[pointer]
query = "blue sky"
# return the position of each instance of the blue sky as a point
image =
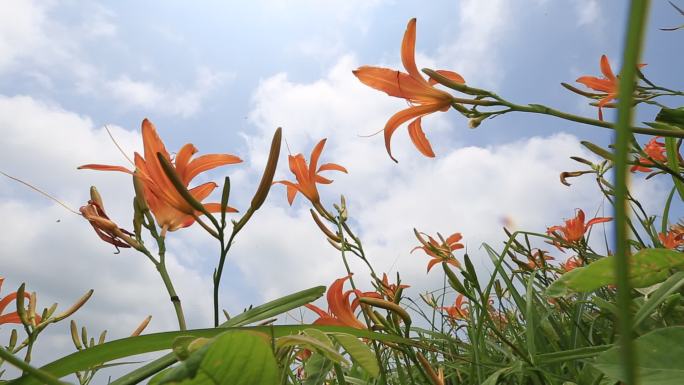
(223, 75)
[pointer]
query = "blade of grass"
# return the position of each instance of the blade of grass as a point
(638, 12)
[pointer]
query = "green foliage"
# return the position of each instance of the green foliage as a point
(647, 267)
(659, 358)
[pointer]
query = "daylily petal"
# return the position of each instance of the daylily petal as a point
(383, 79)
(207, 162)
(403, 116)
(419, 139)
(605, 68)
(408, 49)
(318, 310)
(216, 208)
(183, 158)
(432, 263)
(202, 191)
(332, 167)
(315, 154)
(455, 237)
(104, 167)
(597, 220)
(322, 180)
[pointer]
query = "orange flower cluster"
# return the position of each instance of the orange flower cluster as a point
(459, 310)
(170, 209)
(410, 85)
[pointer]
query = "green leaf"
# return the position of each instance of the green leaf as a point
(359, 352)
(233, 358)
(312, 343)
(659, 296)
(659, 358)
(672, 116)
(647, 267)
(316, 368)
(493, 379)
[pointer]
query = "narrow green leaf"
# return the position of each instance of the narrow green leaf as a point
(311, 343)
(659, 296)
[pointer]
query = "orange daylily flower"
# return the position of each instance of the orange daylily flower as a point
(575, 228)
(105, 228)
(389, 290)
(441, 252)
(340, 310)
(11, 318)
(307, 176)
(168, 206)
(570, 264)
(459, 310)
(418, 92)
(538, 259)
(672, 239)
(656, 151)
(609, 84)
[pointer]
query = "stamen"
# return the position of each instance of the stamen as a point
(41, 192)
(117, 145)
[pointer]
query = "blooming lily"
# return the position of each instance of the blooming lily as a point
(170, 209)
(609, 84)
(575, 228)
(307, 175)
(418, 92)
(570, 264)
(389, 290)
(13, 317)
(458, 311)
(340, 310)
(654, 150)
(671, 239)
(538, 259)
(440, 252)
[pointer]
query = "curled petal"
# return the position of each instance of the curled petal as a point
(605, 68)
(419, 139)
(332, 167)
(205, 163)
(408, 49)
(403, 116)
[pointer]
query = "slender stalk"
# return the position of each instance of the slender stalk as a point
(175, 300)
(635, 30)
(26, 368)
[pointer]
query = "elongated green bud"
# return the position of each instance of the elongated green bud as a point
(387, 305)
(225, 194)
(140, 193)
(180, 187)
(74, 335)
(269, 171)
(81, 301)
(96, 197)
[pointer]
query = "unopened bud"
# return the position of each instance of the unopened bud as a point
(13, 339)
(96, 197)
(74, 335)
(387, 305)
(581, 160)
(32, 308)
(475, 122)
(571, 174)
(269, 171)
(142, 326)
(103, 335)
(75, 306)
(335, 244)
(84, 336)
(323, 227)
(139, 193)
(434, 377)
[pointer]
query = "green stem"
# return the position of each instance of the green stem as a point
(637, 19)
(175, 300)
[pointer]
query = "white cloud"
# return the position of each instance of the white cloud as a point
(482, 26)
(179, 101)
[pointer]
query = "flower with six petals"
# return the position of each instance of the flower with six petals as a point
(341, 312)
(307, 175)
(170, 209)
(440, 251)
(575, 228)
(654, 150)
(423, 97)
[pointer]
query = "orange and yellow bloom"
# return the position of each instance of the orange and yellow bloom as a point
(654, 150)
(440, 251)
(341, 312)
(575, 228)
(170, 209)
(418, 92)
(608, 84)
(308, 175)
(459, 310)
(389, 290)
